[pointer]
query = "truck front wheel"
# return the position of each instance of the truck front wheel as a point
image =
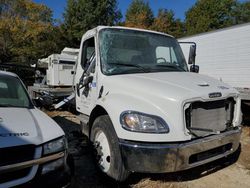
(106, 148)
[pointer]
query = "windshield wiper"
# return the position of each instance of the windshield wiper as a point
(171, 66)
(132, 65)
(10, 105)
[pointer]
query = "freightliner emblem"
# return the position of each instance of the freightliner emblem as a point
(214, 95)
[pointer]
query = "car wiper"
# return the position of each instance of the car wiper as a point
(6, 105)
(171, 66)
(132, 65)
(10, 105)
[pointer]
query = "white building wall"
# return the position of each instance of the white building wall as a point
(224, 54)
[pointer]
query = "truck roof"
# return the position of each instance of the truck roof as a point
(6, 73)
(98, 28)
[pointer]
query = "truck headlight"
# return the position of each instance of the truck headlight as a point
(55, 146)
(140, 122)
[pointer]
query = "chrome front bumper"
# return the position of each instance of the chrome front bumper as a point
(172, 157)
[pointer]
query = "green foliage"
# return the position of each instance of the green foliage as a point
(26, 31)
(166, 23)
(207, 15)
(26, 10)
(82, 15)
(139, 14)
(242, 15)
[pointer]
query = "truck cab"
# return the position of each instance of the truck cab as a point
(142, 108)
(33, 148)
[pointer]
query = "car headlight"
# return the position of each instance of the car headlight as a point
(140, 122)
(52, 166)
(55, 146)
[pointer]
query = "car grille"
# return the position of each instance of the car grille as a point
(205, 118)
(13, 155)
(17, 154)
(9, 176)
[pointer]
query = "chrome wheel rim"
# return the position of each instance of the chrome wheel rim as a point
(101, 145)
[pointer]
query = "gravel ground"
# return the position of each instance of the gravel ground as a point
(220, 173)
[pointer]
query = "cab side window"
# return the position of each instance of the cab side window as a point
(88, 51)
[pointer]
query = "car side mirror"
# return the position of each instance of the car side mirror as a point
(192, 54)
(194, 68)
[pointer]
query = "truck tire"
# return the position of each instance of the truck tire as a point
(106, 149)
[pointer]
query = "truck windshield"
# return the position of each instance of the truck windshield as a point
(126, 51)
(12, 93)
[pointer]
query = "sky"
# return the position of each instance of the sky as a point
(178, 6)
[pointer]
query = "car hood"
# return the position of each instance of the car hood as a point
(20, 126)
(177, 86)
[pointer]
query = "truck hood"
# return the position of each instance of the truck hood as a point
(177, 86)
(20, 126)
(162, 94)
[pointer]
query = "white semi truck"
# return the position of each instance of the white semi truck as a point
(144, 111)
(33, 148)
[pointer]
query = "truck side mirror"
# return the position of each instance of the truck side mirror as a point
(87, 80)
(192, 54)
(194, 68)
(83, 82)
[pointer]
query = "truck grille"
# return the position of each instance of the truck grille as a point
(205, 118)
(13, 155)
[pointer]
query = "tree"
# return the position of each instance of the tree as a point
(207, 15)
(242, 13)
(165, 22)
(82, 15)
(26, 31)
(139, 14)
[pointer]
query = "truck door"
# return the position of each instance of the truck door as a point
(86, 90)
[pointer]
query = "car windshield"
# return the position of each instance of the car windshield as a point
(13, 93)
(124, 51)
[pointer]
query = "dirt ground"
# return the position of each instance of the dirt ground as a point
(221, 173)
